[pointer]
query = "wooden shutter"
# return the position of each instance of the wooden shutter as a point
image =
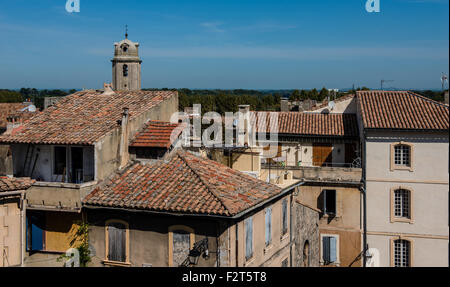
(322, 154)
(326, 249)
(333, 249)
(117, 242)
(249, 238)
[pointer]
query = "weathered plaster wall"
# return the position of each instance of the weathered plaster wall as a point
(149, 239)
(10, 232)
(305, 229)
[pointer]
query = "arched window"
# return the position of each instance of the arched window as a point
(125, 70)
(306, 254)
(402, 253)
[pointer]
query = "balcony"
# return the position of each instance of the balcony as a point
(344, 173)
(58, 196)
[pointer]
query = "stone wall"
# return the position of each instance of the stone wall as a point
(305, 224)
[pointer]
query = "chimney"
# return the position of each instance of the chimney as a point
(244, 125)
(446, 97)
(123, 149)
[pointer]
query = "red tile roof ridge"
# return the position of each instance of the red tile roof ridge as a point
(181, 155)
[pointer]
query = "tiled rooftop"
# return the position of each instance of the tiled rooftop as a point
(7, 109)
(84, 117)
(185, 184)
(14, 184)
(401, 110)
(158, 134)
(310, 124)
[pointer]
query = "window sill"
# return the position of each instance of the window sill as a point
(402, 220)
(268, 248)
(398, 167)
(249, 262)
(116, 264)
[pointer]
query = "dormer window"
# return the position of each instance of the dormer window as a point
(125, 70)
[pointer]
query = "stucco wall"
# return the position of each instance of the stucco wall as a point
(277, 251)
(428, 183)
(148, 236)
(10, 232)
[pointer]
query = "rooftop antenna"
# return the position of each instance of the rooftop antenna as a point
(385, 81)
(126, 31)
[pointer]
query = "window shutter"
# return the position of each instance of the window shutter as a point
(249, 238)
(326, 249)
(117, 243)
(333, 249)
(285, 221)
(268, 226)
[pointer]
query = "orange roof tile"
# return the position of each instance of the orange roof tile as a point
(309, 124)
(185, 184)
(158, 134)
(401, 110)
(84, 117)
(14, 184)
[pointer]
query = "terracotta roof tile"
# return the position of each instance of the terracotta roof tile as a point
(308, 124)
(401, 110)
(158, 134)
(14, 184)
(7, 109)
(185, 184)
(84, 117)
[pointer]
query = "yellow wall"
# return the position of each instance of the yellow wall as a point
(60, 231)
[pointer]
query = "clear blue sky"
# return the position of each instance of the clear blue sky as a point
(227, 44)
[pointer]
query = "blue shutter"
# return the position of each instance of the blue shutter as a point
(333, 249)
(249, 238)
(268, 226)
(326, 249)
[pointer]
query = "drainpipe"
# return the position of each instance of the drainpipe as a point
(124, 139)
(364, 193)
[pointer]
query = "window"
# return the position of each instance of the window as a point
(125, 70)
(284, 216)
(402, 253)
(327, 202)
(248, 238)
(329, 250)
(59, 166)
(117, 237)
(402, 203)
(181, 241)
(268, 226)
(306, 254)
(402, 155)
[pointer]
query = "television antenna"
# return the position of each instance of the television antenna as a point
(385, 81)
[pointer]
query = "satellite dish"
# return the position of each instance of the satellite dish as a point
(331, 105)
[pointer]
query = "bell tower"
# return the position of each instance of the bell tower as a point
(126, 66)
